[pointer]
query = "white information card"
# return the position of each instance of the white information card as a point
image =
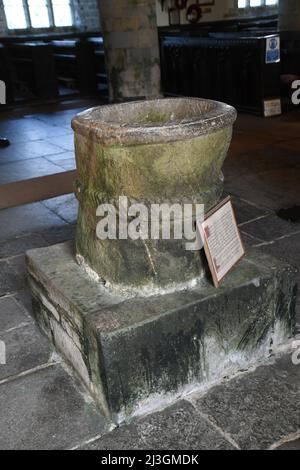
(222, 241)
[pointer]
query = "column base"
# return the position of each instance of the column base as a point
(139, 354)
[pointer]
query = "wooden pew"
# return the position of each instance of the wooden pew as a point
(99, 57)
(6, 74)
(34, 73)
(229, 68)
(290, 52)
(76, 65)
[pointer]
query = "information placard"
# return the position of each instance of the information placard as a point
(272, 107)
(222, 241)
(273, 50)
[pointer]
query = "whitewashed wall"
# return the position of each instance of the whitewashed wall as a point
(222, 10)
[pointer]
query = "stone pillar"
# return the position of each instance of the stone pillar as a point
(132, 51)
(289, 15)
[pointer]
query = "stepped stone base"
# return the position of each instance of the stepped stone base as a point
(137, 354)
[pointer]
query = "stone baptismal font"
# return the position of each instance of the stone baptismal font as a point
(140, 320)
(167, 151)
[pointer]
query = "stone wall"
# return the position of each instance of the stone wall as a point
(87, 17)
(88, 14)
(3, 28)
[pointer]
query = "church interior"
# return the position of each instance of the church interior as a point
(59, 58)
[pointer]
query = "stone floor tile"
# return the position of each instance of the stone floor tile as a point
(271, 157)
(24, 299)
(246, 211)
(17, 246)
(66, 207)
(257, 409)
(12, 314)
(21, 125)
(61, 156)
(38, 131)
(17, 263)
(25, 220)
(287, 249)
(60, 235)
(10, 281)
(67, 165)
(274, 189)
(176, 428)
(28, 150)
(27, 169)
(59, 119)
(270, 228)
(65, 141)
(26, 348)
(47, 410)
(249, 241)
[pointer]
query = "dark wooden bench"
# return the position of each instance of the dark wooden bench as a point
(229, 68)
(33, 71)
(75, 65)
(99, 56)
(6, 74)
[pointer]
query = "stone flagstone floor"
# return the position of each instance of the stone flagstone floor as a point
(43, 406)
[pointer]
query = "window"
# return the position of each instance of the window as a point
(256, 3)
(62, 13)
(15, 21)
(38, 13)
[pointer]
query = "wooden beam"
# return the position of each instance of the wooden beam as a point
(36, 189)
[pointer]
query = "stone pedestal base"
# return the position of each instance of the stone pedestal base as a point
(138, 354)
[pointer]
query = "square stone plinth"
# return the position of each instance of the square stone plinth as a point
(139, 354)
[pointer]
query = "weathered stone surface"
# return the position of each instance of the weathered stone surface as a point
(176, 428)
(46, 411)
(11, 314)
(287, 248)
(270, 228)
(66, 207)
(294, 445)
(246, 211)
(26, 348)
(60, 235)
(250, 241)
(298, 316)
(167, 151)
(24, 299)
(18, 264)
(131, 353)
(10, 281)
(128, 27)
(17, 246)
(28, 219)
(257, 409)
